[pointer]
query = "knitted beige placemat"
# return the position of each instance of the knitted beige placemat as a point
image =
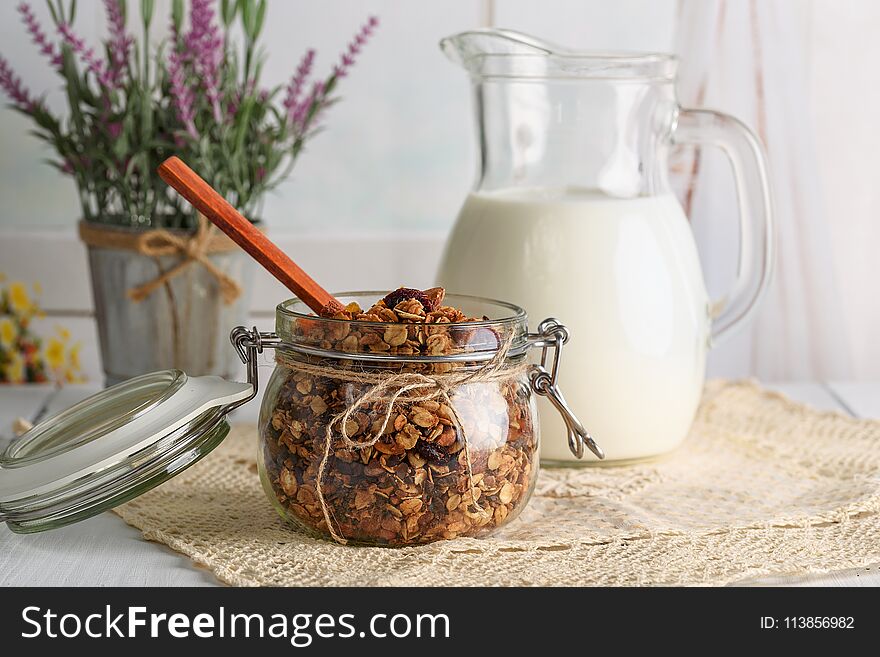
(762, 485)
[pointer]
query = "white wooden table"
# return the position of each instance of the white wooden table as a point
(104, 551)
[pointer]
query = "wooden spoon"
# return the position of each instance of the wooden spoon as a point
(207, 201)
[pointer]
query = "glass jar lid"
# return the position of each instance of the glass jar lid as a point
(112, 447)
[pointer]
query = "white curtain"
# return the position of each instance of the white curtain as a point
(752, 59)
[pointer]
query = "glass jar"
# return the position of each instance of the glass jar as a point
(401, 434)
(373, 433)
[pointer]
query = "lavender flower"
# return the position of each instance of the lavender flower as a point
(354, 48)
(11, 84)
(307, 112)
(183, 95)
(38, 36)
(201, 48)
(247, 154)
(204, 44)
(297, 83)
(316, 98)
(232, 105)
(87, 55)
(120, 43)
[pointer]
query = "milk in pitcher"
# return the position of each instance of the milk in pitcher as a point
(623, 275)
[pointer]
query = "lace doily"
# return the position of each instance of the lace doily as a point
(762, 485)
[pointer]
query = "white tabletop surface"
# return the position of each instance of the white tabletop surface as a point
(104, 551)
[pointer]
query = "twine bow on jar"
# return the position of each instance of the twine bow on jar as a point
(161, 242)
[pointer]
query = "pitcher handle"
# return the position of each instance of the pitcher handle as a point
(757, 243)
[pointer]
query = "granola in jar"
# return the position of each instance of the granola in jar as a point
(425, 432)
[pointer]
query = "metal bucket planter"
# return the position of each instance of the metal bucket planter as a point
(182, 323)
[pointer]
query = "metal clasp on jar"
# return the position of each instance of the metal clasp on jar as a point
(553, 334)
(247, 345)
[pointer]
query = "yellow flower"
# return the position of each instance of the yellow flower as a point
(63, 333)
(73, 377)
(73, 357)
(18, 297)
(8, 332)
(55, 353)
(14, 369)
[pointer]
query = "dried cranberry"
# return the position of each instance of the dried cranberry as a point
(431, 452)
(404, 293)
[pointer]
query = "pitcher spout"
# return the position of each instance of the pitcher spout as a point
(466, 48)
(493, 52)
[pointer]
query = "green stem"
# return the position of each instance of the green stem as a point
(146, 56)
(248, 57)
(82, 200)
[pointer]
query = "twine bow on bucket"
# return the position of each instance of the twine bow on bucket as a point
(160, 242)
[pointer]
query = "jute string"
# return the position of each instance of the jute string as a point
(160, 242)
(388, 390)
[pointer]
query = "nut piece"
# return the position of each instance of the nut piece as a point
(395, 335)
(438, 344)
(288, 482)
(410, 506)
(318, 405)
(423, 418)
(446, 437)
(435, 295)
(408, 437)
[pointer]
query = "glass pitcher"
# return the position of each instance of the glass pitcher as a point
(572, 212)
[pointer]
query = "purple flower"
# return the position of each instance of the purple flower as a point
(38, 36)
(87, 55)
(306, 113)
(183, 95)
(297, 83)
(204, 44)
(120, 43)
(11, 84)
(347, 59)
(232, 105)
(301, 118)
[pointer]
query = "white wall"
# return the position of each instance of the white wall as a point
(398, 152)
(846, 107)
